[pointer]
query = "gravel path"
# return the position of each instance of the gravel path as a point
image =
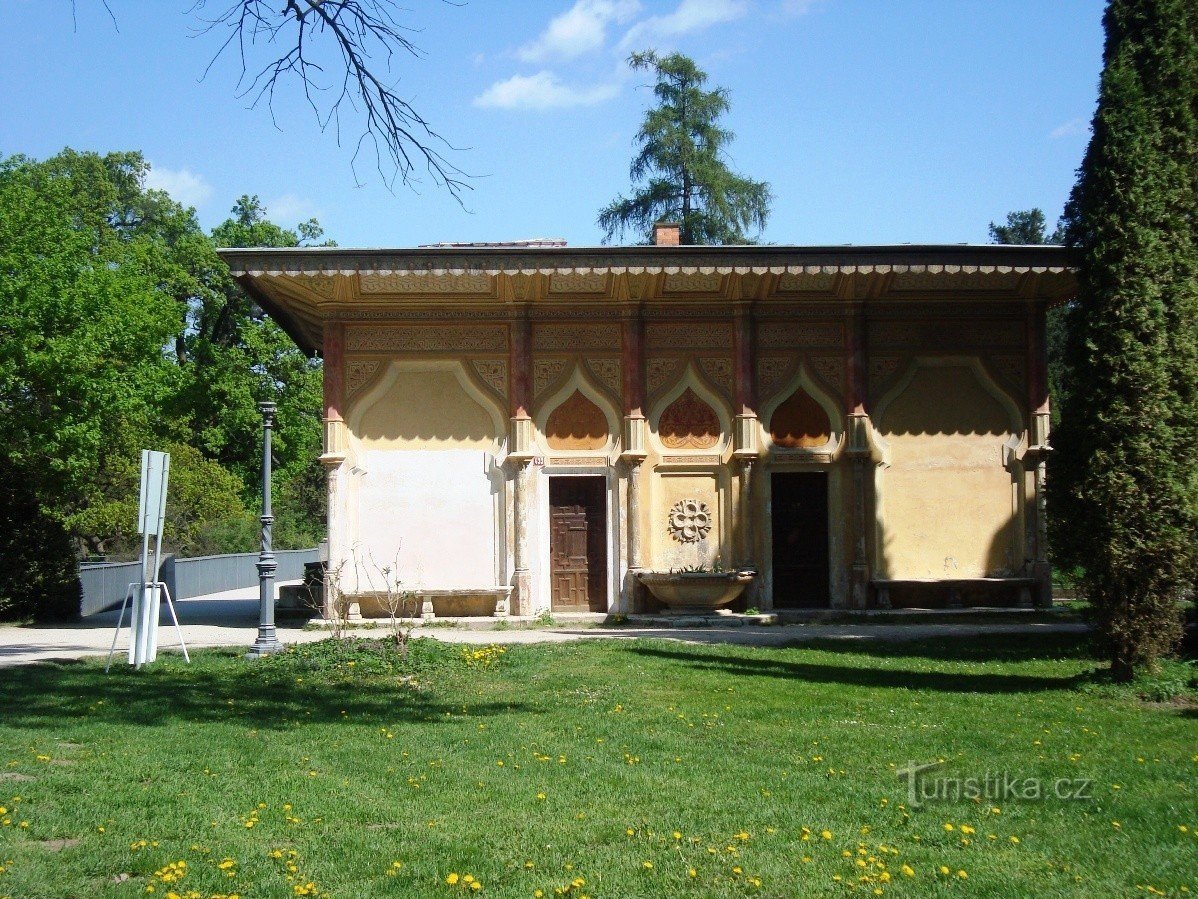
(230, 619)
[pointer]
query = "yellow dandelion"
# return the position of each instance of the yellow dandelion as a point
(452, 879)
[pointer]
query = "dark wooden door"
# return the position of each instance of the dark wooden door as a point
(577, 544)
(800, 528)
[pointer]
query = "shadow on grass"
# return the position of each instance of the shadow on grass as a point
(1026, 647)
(215, 691)
(755, 664)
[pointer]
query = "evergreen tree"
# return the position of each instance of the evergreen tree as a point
(1124, 475)
(1027, 227)
(680, 165)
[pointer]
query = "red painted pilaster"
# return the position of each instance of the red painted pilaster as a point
(333, 353)
(1037, 358)
(855, 363)
(745, 400)
(520, 367)
(634, 366)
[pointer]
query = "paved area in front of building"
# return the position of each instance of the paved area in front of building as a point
(231, 619)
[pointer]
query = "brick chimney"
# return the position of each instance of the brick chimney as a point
(667, 234)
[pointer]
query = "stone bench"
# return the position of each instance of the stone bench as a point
(954, 588)
(461, 597)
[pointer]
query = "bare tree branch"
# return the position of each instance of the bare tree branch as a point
(357, 42)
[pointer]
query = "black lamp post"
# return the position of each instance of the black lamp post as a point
(268, 640)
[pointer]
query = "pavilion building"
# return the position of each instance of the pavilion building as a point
(529, 426)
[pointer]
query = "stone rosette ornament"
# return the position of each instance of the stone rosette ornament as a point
(690, 520)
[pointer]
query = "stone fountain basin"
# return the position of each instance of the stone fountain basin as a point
(696, 592)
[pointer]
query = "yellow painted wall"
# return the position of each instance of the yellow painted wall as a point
(946, 502)
(426, 410)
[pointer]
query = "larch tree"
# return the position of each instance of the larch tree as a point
(680, 173)
(1124, 483)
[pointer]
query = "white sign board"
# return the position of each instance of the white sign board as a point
(155, 467)
(151, 514)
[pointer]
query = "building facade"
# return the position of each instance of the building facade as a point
(525, 428)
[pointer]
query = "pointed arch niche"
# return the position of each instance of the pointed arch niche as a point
(949, 503)
(691, 418)
(578, 417)
(801, 418)
(424, 442)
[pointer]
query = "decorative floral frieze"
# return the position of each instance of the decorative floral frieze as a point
(789, 335)
(360, 373)
(607, 372)
(659, 372)
(431, 339)
(719, 371)
(426, 284)
(574, 337)
(576, 282)
(493, 373)
(688, 335)
(545, 373)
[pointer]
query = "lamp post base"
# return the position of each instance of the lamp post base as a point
(267, 644)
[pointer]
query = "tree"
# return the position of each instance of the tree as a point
(84, 327)
(340, 52)
(680, 166)
(121, 329)
(1027, 227)
(1124, 485)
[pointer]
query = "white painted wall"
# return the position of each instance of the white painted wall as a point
(438, 509)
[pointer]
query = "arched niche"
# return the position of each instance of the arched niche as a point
(577, 424)
(690, 417)
(425, 404)
(801, 417)
(424, 439)
(948, 499)
(578, 417)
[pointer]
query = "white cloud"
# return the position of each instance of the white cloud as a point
(1066, 129)
(184, 185)
(541, 91)
(581, 29)
(691, 15)
(289, 209)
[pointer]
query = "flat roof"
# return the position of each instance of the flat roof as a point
(561, 259)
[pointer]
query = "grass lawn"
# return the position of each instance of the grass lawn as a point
(601, 768)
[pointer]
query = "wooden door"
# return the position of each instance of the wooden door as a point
(799, 510)
(577, 544)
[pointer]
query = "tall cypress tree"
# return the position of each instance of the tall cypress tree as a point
(1125, 474)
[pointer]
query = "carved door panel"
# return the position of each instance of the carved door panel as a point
(799, 509)
(577, 557)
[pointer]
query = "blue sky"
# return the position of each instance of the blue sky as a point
(873, 121)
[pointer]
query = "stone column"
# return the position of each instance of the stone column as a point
(745, 449)
(748, 534)
(1039, 412)
(522, 576)
(860, 461)
(633, 366)
(520, 453)
(333, 457)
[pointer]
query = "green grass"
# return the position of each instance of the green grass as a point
(547, 763)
